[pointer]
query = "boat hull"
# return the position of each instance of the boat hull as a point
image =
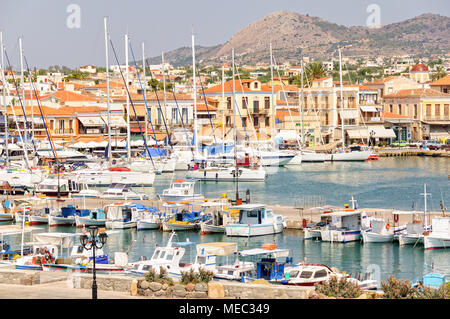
(410, 240)
(370, 237)
(60, 221)
(311, 233)
(340, 236)
(83, 221)
(350, 156)
(227, 175)
(207, 229)
(120, 224)
(430, 242)
(243, 230)
(142, 224)
(176, 226)
(36, 220)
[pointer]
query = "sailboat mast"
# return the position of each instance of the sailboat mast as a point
(128, 100)
(302, 107)
(425, 194)
(273, 101)
(342, 100)
(223, 108)
(23, 90)
(145, 88)
(166, 110)
(195, 93)
(107, 92)
(235, 133)
(5, 116)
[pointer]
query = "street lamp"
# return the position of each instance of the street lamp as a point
(93, 244)
(372, 134)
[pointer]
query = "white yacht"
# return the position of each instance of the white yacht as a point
(122, 191)
(255, 220)
(439, 237)
(228, 174)
(114, 174)
(180, 190)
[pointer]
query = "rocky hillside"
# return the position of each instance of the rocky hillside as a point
(293, 34)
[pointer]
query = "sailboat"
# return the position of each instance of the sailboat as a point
(345, 155)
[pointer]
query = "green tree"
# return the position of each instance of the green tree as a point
(439, 73)
(314, 70)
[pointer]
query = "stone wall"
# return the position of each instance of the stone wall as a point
(19, 277)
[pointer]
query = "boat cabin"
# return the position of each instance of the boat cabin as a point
(254, 214)
(271, 263)
(343, 220)
(122, 212)
(70, 210)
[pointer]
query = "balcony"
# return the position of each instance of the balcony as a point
(62, 131)
(437, 118)
(259, 111)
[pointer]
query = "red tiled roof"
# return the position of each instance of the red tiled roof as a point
(68, 96)
(228, 87)
(423, 92)
(420, 68)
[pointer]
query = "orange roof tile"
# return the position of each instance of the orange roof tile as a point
(423, 92)
(442, 81)
(68, 96)
(420, 68)
(228, 87)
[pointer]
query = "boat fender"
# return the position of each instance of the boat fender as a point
(396, 218)
(388, 225)
(304, 224)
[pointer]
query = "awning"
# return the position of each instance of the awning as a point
(91, 121)
(217, 248)
(115, 120)
(359, 133)
(381, 132)
(349, 114)
(366, 108)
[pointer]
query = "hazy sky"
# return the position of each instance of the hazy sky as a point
(164, 25)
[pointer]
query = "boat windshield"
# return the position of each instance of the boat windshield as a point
(306, 274)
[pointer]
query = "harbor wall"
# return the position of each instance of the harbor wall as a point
(214, 290)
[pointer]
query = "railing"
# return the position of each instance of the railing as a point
(437, 118)
(63, 131)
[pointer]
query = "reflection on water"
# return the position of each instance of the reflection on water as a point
(390, 182)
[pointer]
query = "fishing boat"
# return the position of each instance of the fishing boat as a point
(381, 231)
(66, 217)
(149, 218)
(186, 219)
(255, 220)
(122, 191)
(439, 237)
(342, 226)
(121, 216)
(39, 216)
(219, 218)
(54, 186)
(95, 218)
(180, 190)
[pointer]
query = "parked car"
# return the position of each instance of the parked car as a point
(401, 144)
(446, 146)
(434, 145)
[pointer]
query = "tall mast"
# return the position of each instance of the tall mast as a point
(107, 92)
(145, 88)
(425, 194)
(273, 101)
(195, 93)
(223, 108)
(5, 116)
(23, 90)
(128, 101)
(235, 133)
(166, 110)
(302, 106)
(342, 100)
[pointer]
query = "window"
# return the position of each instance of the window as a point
(255, 121)
(326, 101)
(52, 124)
(267, 102)
(428, 110)
(230, 272)
(415, 110)
(252, 213)
(391, 108)
(201, 260)
(320, 274)
(306, 274)
(146, 267)
(244, 102)
(184, 115)
(446, 109)
(305, 102)
(256, 85)
(437, 109)
(229, 103)
(293, 273)
(169, 257)
(267, 121)
(316, 102)
(174, 115)
(256, 106)
(399, 109)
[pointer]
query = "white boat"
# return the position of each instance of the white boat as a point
(39, 217)
(380, 232)
(49, 186)
(312, 157)
(95, 218)
(66, 217)
(343, 226)
(169, 258)
(104, 178)
(180, 190)
(439, 237)
(228, 174)
(149, 219)
(348, 156)
(305, 274)
(219, 218)
(87, 193)
(254, 220)
(121, 216)
(122, 191)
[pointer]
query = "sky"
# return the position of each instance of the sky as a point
(71, 32)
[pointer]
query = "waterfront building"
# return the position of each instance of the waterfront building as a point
(441, 85)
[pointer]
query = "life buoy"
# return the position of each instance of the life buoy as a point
(388, 225)
(396, 218)
(304, 224)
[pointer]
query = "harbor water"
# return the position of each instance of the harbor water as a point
(387, 183)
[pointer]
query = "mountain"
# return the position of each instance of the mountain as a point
(293, 34)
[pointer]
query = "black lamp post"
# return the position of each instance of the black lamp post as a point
(372, 134)
(93, 244)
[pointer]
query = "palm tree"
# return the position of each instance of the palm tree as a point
(439, 73)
